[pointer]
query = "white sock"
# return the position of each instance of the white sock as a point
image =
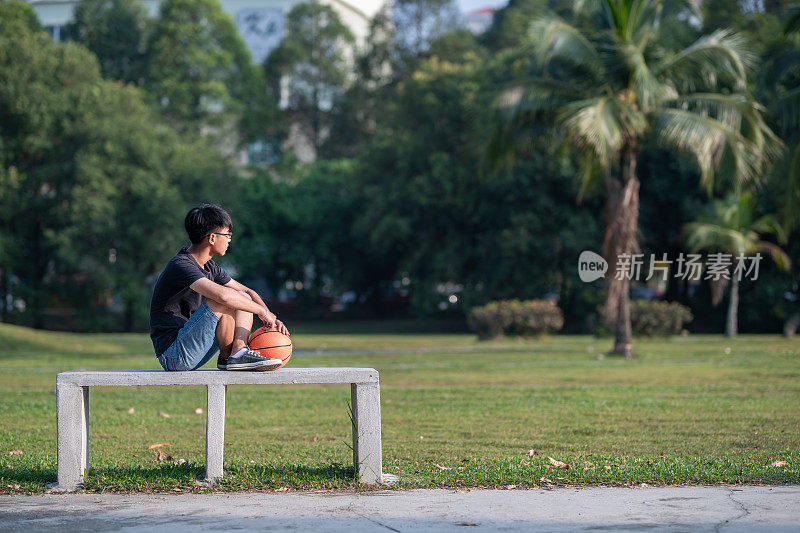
(239, 353)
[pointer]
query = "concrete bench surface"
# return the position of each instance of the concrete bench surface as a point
(72, 399)
(284, 376)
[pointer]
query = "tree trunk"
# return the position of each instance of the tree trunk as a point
(130, 314)
(731, 327)
(622, 329)
(622, 220)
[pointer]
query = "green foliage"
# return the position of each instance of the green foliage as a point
(198, 66)
(312, 60)
(94, 186)
(116, 31)
(734, 228)
(658, 318)
(18, 17)
(293, 224)
(419, 23)
(515, 317)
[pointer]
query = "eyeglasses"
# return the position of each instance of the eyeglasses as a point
(228, 235)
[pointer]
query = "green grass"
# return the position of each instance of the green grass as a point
(455, 412)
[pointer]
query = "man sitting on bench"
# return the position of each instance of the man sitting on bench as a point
(197, 308)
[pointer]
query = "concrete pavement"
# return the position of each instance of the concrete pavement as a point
(676, 509)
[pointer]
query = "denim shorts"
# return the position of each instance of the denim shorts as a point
(196, 342)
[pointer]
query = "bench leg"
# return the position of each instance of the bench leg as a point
(215, 431)
(365, 399)
(72, 411)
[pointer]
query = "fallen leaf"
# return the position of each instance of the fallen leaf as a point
(154, 446)
(198, 411)
(282, 489)
(159, 455)
(180, 461)
(15, 452)
(176, 489)
(165, 415)
(777, 463)
(531, 453)
(511, 487)
(13, 487)
(544, 480)
(131, 411)
(557, 464)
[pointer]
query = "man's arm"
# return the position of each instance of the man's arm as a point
(233, 284)
(230, 297)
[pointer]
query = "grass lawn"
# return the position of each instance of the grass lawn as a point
(455, 412)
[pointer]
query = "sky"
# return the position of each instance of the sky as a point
(468, 6)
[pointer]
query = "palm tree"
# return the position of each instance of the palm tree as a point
(610, 88)
(733, 229)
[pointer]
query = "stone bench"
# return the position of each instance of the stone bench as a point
(72, 399)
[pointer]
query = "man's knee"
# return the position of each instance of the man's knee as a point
(219, 309)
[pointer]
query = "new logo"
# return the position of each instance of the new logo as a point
(591, 266)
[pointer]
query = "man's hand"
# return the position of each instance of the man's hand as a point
(281, 327)
(268, 318)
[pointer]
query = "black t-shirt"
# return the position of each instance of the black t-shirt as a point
(173, 301)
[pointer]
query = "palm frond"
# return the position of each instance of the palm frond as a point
(649, 90)
(714, 237)
(776, 252)
(708, 139)
(740, 113)
(587, 175)
(601, 125)
(770, 224)
(553, 38)
(723, 56)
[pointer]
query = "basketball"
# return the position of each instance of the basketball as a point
(272, 344)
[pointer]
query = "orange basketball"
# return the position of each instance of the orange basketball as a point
(272, 344)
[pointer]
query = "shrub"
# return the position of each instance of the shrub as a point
(658, 318)
(515, 317)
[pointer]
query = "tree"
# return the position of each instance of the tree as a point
(366, 100)
(610, 89)
(734, 229)
(420, 22)
(313, 61)
(94, 185)
(116, 32)
(17, 16)
(199, 70)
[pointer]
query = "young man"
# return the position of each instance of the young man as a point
(197, 308)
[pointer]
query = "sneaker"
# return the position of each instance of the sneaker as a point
(249, 360)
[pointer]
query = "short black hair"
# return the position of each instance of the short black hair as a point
(202, 220)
